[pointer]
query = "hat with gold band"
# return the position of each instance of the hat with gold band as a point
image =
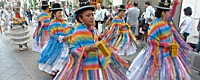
(84, 5)
(164, 4)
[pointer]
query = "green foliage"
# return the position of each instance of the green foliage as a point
(2, 3)
(34, 4)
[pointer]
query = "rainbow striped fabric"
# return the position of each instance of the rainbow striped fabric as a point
(91, 65)
(155, 60)
(59, 27)
(41, 31)
(84, 37)
(121, 36)
(54, 48)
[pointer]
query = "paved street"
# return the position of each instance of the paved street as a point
(22, 65)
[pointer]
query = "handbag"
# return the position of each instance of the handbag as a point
(104, 48)
(174, 48)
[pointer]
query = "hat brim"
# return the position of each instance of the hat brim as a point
(163, 8)
(120, 9)
(45, 5)
(53, 9)
(84, 8)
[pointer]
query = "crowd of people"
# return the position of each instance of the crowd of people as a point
(88, 45)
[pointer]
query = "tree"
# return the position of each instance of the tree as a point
(2, 3)
(34, 4)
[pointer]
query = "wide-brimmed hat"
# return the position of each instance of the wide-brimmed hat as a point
(122, 8)
(84, 5)
(45, 3)
(56, 6)
(164, 4)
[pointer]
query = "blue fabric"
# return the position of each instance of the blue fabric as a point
(82, 40)
(29, 19)
(47, 20)
(40, 9)
(28, 14)
(74, 18)
(54, 48)
(133, 29)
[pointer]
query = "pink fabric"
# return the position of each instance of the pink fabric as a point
(46, 25)
(141, 31)
(173, 11)
(128, 6)
(45, 37)
(164, 44)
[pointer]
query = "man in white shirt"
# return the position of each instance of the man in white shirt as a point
(150, 11)
(66, 11)
(104, 14)
(98, 15)
(132, 17)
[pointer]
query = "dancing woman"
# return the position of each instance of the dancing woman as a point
(120, 35)
(85, 61)
(55, 52)
(18, 32)
(162, 58)
(41, 34)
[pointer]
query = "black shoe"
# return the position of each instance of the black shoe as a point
(26, 45)
(11, 27)
(26, 23)
(22, 26)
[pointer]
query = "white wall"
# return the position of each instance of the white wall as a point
(195, 5)
(117, 2)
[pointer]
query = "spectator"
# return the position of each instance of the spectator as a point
(187, 23)
(66, 11)
(29, 15)
(116, 10)
(23, 11)
(1, 11)
(197, 49)
(141, 24)
(129, 3)
(150, 11)
(70, 18)
(98, 15)
(105, 14)
(132, 17)
(74, 16)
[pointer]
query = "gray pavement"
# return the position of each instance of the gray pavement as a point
(22, 65)
(10, 68)
(26, 60)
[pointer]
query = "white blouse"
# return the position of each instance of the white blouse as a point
(186, 25)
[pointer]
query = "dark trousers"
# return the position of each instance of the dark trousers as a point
(29, 19)
(96, 24)
(197, 49)
(185, 36)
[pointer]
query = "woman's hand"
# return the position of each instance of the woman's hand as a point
(92, 47)
(65, 38)
(179, 28)
(105, 32)
(166, 45)
(179, 1)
